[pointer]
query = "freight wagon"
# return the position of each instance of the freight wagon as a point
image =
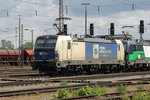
(12, 56)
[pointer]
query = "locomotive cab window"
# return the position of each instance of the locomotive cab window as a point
(132, 49)
(46, 43)
(40, 43)
(139, 48)
(50, 43)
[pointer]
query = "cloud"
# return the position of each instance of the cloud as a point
(128, 21)
(133, 18)
(47, 12)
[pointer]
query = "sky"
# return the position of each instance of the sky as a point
(40, 15)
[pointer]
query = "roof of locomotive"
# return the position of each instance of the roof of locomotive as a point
(91, 39)
(135, 42)
(47, 36)
(78, 39)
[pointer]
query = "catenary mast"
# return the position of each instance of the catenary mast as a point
(61, 26)
(61, 16)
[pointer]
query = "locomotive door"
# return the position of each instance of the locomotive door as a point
(118, 51)
(69, 50)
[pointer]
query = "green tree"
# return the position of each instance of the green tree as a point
(9, 45)
(3, 44)
(28, 46)
(6, 44)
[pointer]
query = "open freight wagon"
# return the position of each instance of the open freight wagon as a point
(11, 57)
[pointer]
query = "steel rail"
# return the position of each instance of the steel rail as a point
(54, 89)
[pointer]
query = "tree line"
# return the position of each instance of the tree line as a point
(9, 45)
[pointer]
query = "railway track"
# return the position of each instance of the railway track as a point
(87, 78)
(16, 72)
(53, 89)
(15, 82)
(84, 80)
(36, 79)
(34, 91)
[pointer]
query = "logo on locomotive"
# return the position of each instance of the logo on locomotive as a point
(43, 53)
(95, 51)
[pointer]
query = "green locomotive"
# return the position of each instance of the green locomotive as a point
(137, 54)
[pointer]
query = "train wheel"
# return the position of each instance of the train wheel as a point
(11, 63)
(63, 71)
(88, 71)
(40, 72)
(96, 70)
(78, 71)
(101, 69)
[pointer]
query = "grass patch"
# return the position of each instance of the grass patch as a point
(100, 90)
(96, 90)
(61, 94)
(121, 88)
(140, 87)
(125, 97)
(141, 96)
(86, 91)
(46, 83)
(37, 93)
(63, 83)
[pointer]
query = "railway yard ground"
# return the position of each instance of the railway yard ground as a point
(24, 84)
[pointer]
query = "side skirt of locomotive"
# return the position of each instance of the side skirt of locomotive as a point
(78, 67)
(90, 67)
(138, 65)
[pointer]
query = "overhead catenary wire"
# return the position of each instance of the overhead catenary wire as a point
(68, 8)
(36, 3)
(138, 4)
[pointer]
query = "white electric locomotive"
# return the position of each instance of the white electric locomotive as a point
(64, 54)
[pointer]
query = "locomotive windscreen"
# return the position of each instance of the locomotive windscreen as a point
(50, 43)
(46, 43)
(45, 48)
(40, 43)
